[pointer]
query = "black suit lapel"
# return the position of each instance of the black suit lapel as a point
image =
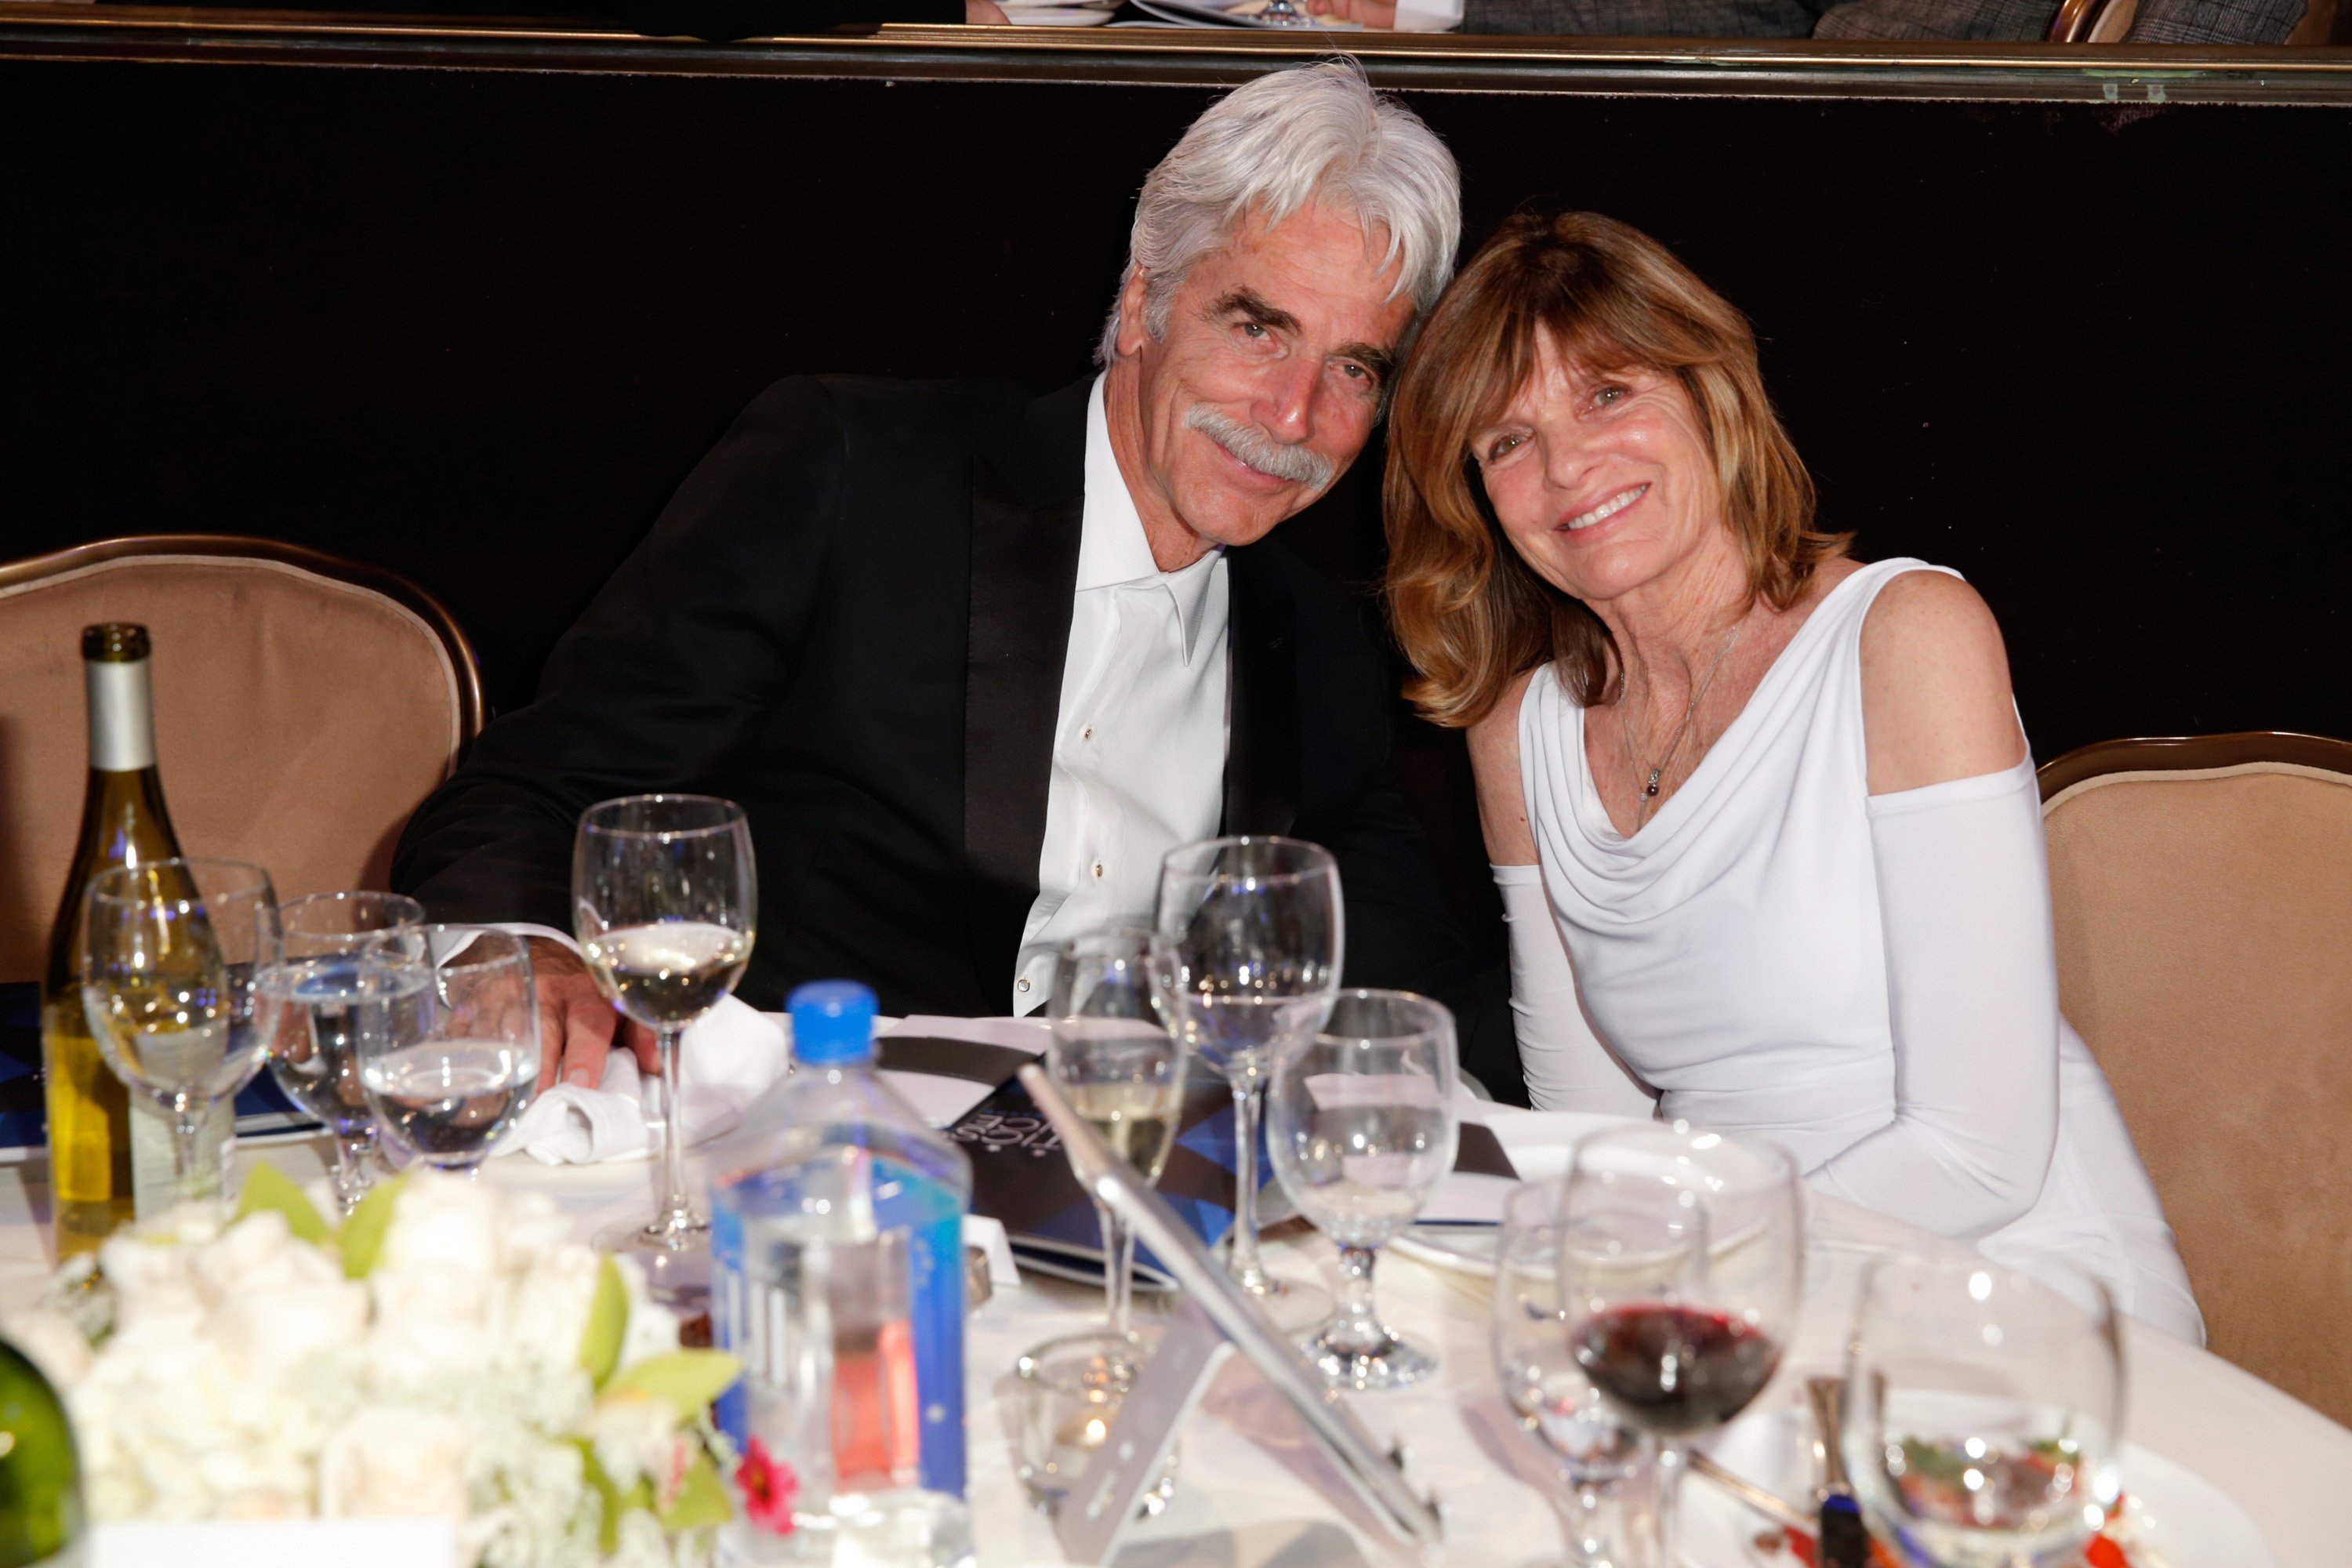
(1262, 754)
(1027, 504)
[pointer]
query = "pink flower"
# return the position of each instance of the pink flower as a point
(770, 1487)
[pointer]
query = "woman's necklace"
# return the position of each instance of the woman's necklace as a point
(1657, 770)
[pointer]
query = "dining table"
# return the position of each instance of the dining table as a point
(1255, 1490)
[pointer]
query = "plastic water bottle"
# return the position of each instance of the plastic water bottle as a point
(837, 1276)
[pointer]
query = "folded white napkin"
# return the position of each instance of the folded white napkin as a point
(727, 1059)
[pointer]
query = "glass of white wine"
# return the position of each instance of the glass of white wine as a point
(449, 1039)
(168, 954)
(1121, 1071)
(665, 899)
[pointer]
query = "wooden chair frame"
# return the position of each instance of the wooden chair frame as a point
(2180, 754)
(473, 707)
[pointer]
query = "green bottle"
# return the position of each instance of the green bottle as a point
(41, 1523)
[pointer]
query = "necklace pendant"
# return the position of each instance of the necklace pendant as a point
(1651, 789)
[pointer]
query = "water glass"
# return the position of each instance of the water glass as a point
(310, 1005)
(664, 900)
(1984, 1412)
(1599, 1460)
(1362, 1122)
(1069, 1393)
(1254, 935)
(169, 955)
(1122, 1071)
(448, 1040)
(1682, 1263)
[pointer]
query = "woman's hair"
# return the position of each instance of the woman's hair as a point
(1268, 148)
(1472, 614)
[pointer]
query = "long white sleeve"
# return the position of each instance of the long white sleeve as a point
(1567, 1067)
(1972, 993)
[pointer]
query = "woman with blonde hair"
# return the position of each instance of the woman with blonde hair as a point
(1763, 816)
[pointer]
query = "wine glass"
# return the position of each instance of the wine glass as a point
(169, 955)
(1599, 1458)
(1362, 1122)
(1682, 1263)
(310, 1004)
(665, 897)
(1122, 1071)
(1984, 1410)
(1253, 940)
(449, 1039)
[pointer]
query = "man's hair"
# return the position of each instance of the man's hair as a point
(1316, 134)
(1468, 612)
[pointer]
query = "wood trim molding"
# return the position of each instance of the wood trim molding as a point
(2172, 754)
(473, 707)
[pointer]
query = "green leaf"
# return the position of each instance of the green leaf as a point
(608, 1320)
(362, 1237)
(687, 1380)
(702, 1499)
(610, 1498)
(268, 1188)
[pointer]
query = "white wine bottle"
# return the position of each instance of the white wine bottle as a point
(104, 1155)
(42, 1523)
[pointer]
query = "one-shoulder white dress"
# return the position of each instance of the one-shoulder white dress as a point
(1869, 980)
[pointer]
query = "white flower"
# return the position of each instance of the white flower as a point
(276, 1299)
(51, 1343)
(387, 1461)
(547, 1304)
(633, 1435)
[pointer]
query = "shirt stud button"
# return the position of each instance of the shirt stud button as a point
(1021, 984)
(1087, 734)
(1097, 871)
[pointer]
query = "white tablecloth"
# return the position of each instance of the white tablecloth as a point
(1244, 1498)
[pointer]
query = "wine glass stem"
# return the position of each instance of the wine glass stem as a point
(188, 1176)
(1666, 1517)
(1353, 1322)
(1119, 1262)
(351, 1182)
(1243, 1265)
(677, 1214)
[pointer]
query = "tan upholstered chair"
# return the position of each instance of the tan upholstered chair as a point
(303, 706)
(2203, 890)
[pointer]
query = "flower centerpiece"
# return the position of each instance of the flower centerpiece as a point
(449, 1351)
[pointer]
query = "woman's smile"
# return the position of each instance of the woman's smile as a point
(1611, 506)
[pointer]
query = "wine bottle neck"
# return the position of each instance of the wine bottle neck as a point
(121, 717)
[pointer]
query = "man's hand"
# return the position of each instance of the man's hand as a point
(576, 1025)
(1370, 13)
(984, 14)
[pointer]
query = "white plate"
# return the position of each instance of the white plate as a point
(2187, 1519)
(1057, 15)
(1208, 14)
(1465, 1248)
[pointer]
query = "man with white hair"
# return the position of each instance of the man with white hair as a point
(972, 660)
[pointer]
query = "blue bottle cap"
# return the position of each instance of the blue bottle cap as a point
(833, 1022)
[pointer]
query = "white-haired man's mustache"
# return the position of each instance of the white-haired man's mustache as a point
(1260, 450)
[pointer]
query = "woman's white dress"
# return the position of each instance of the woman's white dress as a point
(1872, 981)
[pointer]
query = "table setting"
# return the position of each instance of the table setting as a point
(1592, 1340)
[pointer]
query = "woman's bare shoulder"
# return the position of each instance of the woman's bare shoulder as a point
(1934, 685)
(1495, 764)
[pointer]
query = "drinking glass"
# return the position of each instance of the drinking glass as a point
(664, 895)
(1068, 1395)
(1983, 1412)
(1361, 1124)
(1253, 940)
(1682, 1265)
(168, 954)
(449, 1039)
(1122, 1071)
(310, 1007)
(1599, 1458)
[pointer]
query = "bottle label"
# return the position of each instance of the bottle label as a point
(121, 717)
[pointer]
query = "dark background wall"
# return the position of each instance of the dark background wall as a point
(477, 326)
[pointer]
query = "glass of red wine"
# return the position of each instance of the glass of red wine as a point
(1682, 1271)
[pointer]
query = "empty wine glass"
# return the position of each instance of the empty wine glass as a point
(1252, 938)
(169, 949)
(1682, 1263)
(310, 1005)
(1597, 1458)
(449, 1039)
(1983, 1413)
(664, 898)
(1122, 1071)
(1360, 1121)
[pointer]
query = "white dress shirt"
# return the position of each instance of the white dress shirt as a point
(1139, 738)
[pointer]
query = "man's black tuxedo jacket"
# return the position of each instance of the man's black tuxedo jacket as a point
(852, 620)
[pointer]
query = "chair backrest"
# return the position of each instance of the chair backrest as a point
(304, 705)
(2203, 893)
